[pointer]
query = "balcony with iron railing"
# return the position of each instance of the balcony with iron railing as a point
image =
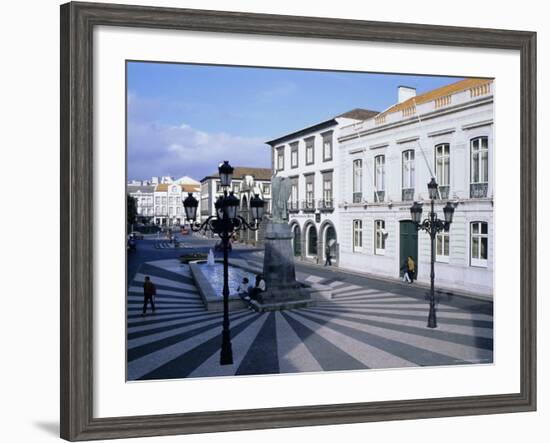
(326, 204)
(407, 194)
(308, 205)
(379, 196)
(293, 206)
(478, 190)
(444, 192)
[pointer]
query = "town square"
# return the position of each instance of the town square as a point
(360, 241)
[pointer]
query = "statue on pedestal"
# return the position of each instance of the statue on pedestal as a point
(283, 291)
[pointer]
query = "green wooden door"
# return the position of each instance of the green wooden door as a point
(408, 243)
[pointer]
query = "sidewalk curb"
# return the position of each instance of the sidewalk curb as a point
(445, 292)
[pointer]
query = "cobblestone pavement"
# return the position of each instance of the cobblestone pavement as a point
(367, 324)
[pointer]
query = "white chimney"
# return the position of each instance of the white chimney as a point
(404, 93)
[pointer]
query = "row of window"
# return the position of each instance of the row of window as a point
(479, 241)
(161, 210)
(309, 202)
(236, 187)
(309, 142)
(479, 172)
(143, 200)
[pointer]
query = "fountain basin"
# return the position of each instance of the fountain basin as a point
(209, 281)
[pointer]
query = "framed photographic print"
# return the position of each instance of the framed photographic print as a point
(273, 221)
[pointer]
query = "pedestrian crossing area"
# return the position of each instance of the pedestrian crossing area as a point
(167, 245)
(360, 328)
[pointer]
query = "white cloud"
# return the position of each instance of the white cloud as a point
(160, 149)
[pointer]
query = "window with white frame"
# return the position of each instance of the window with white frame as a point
(479, 243)
(294, 155)
(163, 200)
(442, 247)
(280, 158)
(327, 189)
(379, 178)
(379, 237)
(178, 210)
(294, 195)
(443, 164)
(171, 200)
(310, 154)
(171, 210)
(218, 186)
(407, 175)
(327, 146)
(380, 172)
(265, 188)
(480, 160)
(357, 181)
(157, 200)
(479, 167)
(357, 235)
(309, 193)
(407, 178)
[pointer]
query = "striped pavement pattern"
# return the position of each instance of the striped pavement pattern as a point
(360, 328)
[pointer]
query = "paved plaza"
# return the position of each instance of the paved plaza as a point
(368, 324)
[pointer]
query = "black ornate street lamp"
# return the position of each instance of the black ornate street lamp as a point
(432, 225)
(225, 223)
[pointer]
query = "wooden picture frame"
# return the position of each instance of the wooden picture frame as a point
(77, 23)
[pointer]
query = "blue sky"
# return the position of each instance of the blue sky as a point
(184, 119)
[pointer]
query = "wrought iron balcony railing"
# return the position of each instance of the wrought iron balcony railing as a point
(407, 194)
(379, 196)
(325, 204)
(444, 192)
(293, 206)
(478, 190)
(308, 205)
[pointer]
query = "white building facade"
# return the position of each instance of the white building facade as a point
(168, 201)
(144, 196)
(385, 163)
(309, 158)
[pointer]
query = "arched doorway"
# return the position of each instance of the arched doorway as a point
(329, 241)
(296, 239)
(311, 241)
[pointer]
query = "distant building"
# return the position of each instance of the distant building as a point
(143, 195)
(169, 202)
(309, 158)
(159, 200)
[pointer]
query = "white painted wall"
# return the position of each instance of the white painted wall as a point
(458, 273)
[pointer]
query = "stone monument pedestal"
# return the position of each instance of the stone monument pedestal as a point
(282, 289)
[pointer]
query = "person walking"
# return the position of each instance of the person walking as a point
(149, 292)
(411, 268)
(405, 270)
(328, 256)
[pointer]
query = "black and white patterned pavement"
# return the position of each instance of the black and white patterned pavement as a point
(364, 326)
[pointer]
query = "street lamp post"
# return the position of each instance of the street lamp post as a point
(224, 223)
(432, 225)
